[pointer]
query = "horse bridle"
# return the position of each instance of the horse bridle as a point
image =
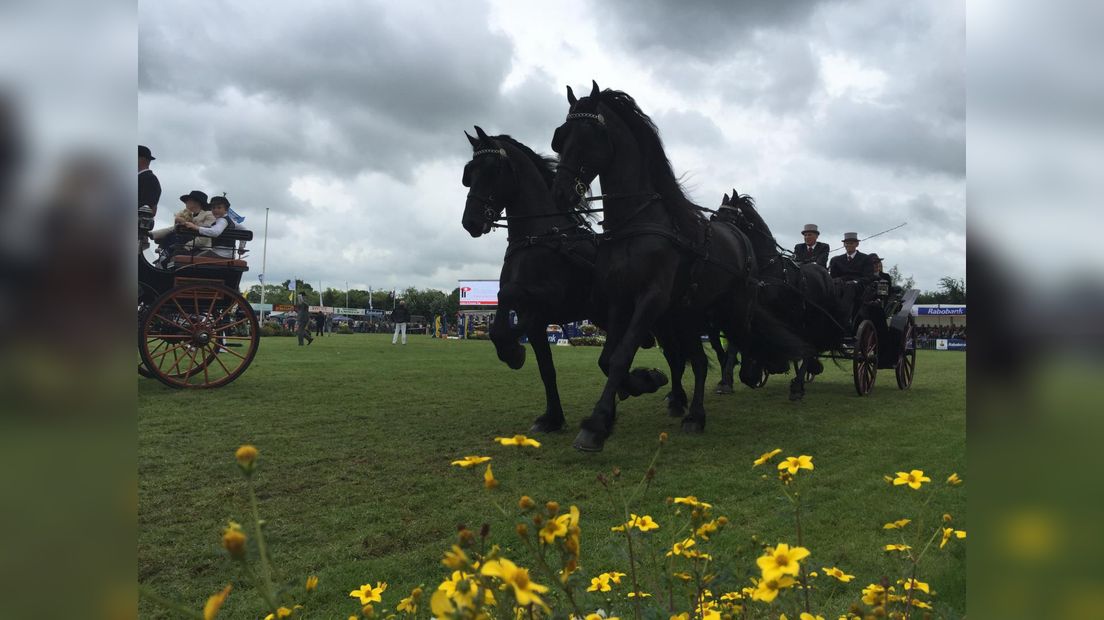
(492, 211)
(581, 187)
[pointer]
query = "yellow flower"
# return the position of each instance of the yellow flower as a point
(793, 463)
(312, 583)
(914, 478)
(246, 456)
(838, 574)
(644, 524)
(682, 576)
(901, 548)
(601, 583)
(888, 479)
(455, 558)
(690, 500)
(781, 560)
(553, 529)
(732, 596)
(214, 603)
(488, 478)
(948, 532)
(680, 548)
(709, 528)
(896, 525)
(233, 540)
(526, 503)
(875, 594)
(525, 591)
(638, 594)
(518, 440)
(766, 590)
(662, 438)
(471, 461)
(410, 603)
(458, 592)
(765, 457)
(919, 585)
(954, 480)
(282, 612)
(808, 616)
(367, 594)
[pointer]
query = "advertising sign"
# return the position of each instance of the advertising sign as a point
(939, 310)
(483, 293)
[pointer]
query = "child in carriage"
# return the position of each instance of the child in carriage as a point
(196, 210)
(219, 245)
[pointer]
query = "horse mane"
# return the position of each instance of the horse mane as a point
(545, 165)
(765, 242)
(687, 216)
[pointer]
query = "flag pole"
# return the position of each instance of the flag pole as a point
(264, 261)
(346, 293)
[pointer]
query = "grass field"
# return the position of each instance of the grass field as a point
(356, 436)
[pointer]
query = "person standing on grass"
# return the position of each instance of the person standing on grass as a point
(400, 316)
(302, 323)
(319, 324)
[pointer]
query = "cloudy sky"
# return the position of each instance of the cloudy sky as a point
(345, 119)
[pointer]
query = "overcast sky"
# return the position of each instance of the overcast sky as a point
(346, 119)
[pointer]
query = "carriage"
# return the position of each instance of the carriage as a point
(195, 330)
(884, 338)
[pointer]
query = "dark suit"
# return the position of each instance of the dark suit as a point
(819, 255)
(858, 268)
(149, 189)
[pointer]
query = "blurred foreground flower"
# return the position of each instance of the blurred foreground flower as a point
(525, 591)
(471, 461)
(518, 440)
(214, 603)
(765, 457)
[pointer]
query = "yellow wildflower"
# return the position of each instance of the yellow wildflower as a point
(644, 524)
(367, 594)
(901, 548)
(682, 576)
(919, 585)
(601, 583)
(765, 457)
(690, 500)
(793, 463)
(766, 590)
(948, 532)
(214, 603)
(312, 583)
(455, 558)
(888, 479)
(732, 596)
(781, 560)
(680, 547)
(808, 616)
(896, 525)
(282, 612)
(914, 478)
(954, 480)
(875, 594)
(525, 591)
(518, 440)
(838, 574)
(662, 438)
(921, 604)
(233, 540)
(488, 478)
(410, 603)
(471, 461)
(246, 456)
(638, 595)
(553, 529)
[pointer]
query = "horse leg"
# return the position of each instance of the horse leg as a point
(728, 369)
(676, 398)
(553, 418)
(694, 422)
(623, 342)
(797, 386)
(505, 338)
(725, 385)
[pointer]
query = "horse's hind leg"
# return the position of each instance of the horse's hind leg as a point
(694, 422)
(723, 358)
(553, 418)
(797, 385)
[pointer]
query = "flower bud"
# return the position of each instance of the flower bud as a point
(522, 530)
(467, 538)
(722, 520)
(650, 474)
(946, 518)
(538, 520)
(552, 507)
(416, 593)
(526, 503)
(616, 472)
(246, 456)
(663, 439)
(233, 540)
(485, 530)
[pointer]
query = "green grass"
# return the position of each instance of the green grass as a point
(356, 436)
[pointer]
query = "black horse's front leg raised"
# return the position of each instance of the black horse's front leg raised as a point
(505, 339)
(553, 418)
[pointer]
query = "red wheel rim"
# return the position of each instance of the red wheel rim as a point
(865, 364)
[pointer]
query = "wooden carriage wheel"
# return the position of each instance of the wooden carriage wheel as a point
(865, 360)
(198, 336)
(906, 362)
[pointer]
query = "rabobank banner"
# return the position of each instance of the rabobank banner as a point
(479, 293)
(939, 310)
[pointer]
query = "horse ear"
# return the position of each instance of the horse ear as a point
(571, 96)
(724, 200)
(594, 89)
(735, 194)
(479, 132)
(473, 141)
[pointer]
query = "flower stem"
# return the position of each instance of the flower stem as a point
(800, 543)
(266, 567)
(552, 576)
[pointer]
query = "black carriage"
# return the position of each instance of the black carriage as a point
(884, 337)
(195, 330)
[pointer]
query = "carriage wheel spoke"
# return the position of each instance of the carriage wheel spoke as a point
(224, 348)
(224, 368)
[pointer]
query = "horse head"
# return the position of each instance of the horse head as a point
(490, 182)
(584, 146)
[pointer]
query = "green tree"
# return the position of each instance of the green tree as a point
(951, 291)
(899, 280)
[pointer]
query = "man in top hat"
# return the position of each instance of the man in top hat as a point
(812, 251)
(852, 264)
(149, 188)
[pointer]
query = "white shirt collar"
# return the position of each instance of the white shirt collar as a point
(852, 255)
(146, 170)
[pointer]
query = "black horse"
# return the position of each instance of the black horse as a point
(801, 295)
(661, 266)
(547, 272)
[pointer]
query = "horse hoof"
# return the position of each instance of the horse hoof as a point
(543, 426)
(693, 426)
(643, 381)
(588, 441)
(516, 359)
(723, 388)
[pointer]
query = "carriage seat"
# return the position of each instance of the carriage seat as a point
(210, 261)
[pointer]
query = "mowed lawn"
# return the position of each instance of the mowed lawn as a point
(356, 436)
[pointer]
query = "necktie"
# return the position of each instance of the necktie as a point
(849, 257)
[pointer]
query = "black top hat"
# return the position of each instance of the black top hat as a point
(221, 200)
(143, 151)
(197, 196)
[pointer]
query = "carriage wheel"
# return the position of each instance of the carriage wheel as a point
(865, 362)
(906, 363)
(198, 336)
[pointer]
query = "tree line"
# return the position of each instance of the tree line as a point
(427, 302)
